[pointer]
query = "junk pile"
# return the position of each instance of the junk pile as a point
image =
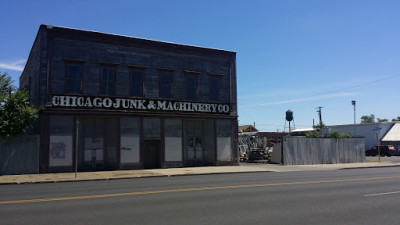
(254, 147)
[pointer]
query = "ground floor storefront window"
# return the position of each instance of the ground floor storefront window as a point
(61, 141)
(122, 142)
(98, 143)
(199, 142)
(129, 141)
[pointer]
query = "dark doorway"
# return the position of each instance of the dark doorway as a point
(152, 154)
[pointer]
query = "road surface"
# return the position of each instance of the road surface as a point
(352, 196)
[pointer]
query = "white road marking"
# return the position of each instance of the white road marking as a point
(385, 193)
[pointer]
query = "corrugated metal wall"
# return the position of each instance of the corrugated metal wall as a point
(19, 155)
(305, 151)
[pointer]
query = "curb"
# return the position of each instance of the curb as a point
(171, 175)
(369, 167)
(125, 178)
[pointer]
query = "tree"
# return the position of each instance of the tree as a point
(381, 120)
(15, 114)
(368, 119)
(337, 134)
(396, 119)
(319, 126)
(313, 134)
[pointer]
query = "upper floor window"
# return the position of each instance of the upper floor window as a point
(108, 78)
(165, 84)
(215, 88)
(191, 87)
(137, 82)
(74, 77)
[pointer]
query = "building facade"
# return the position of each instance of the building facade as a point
(110, 102)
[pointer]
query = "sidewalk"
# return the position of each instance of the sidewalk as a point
(125, 174)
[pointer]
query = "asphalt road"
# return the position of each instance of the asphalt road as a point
(352, 196)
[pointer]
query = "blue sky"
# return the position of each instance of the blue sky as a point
(295, 55)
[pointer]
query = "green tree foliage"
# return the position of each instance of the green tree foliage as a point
(319, 126)
(332, 134)
(247, 130)
(381, 120)
(336, 134)
(15, 114)
(313, 134)
(368, 119)
(396, 119)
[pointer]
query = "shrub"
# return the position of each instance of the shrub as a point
(313, 134)
(336, 134)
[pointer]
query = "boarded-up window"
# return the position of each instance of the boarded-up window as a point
(224, 141)
(173, 140)
(130, 140)
(61, 141)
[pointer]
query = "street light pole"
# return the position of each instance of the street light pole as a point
(354, 104)
(76, 147)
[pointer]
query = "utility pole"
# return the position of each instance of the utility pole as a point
(320, 114)
(76, 147)
(354, 104)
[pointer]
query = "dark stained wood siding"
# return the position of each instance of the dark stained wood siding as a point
(54, 45)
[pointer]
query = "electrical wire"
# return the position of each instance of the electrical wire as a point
(331, 91)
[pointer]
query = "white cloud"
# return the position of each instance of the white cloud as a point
(304, 99)
(16, 65)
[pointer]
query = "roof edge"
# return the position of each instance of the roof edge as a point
(137, 38)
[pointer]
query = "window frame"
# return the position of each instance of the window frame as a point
(73, 62)
(112, 66)
(170, 73)
(132, 69)
(196, 90)
(212, 76)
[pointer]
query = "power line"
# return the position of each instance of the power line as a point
(342, 89)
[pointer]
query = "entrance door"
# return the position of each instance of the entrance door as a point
(199, 142)
(152, 154)
(194, 148)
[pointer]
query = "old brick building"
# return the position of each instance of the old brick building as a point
(110, 102)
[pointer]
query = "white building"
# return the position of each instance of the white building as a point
(393, 137)
(367, 130)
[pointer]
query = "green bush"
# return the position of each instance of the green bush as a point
(333, 134)
(313, 134)
(336, 134)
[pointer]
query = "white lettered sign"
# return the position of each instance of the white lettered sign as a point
(91, 102)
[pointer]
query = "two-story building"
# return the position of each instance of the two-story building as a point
(110, 102)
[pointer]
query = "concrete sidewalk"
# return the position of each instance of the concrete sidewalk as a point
(125, 174)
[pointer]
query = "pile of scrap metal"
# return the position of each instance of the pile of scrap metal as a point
(253, 147)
